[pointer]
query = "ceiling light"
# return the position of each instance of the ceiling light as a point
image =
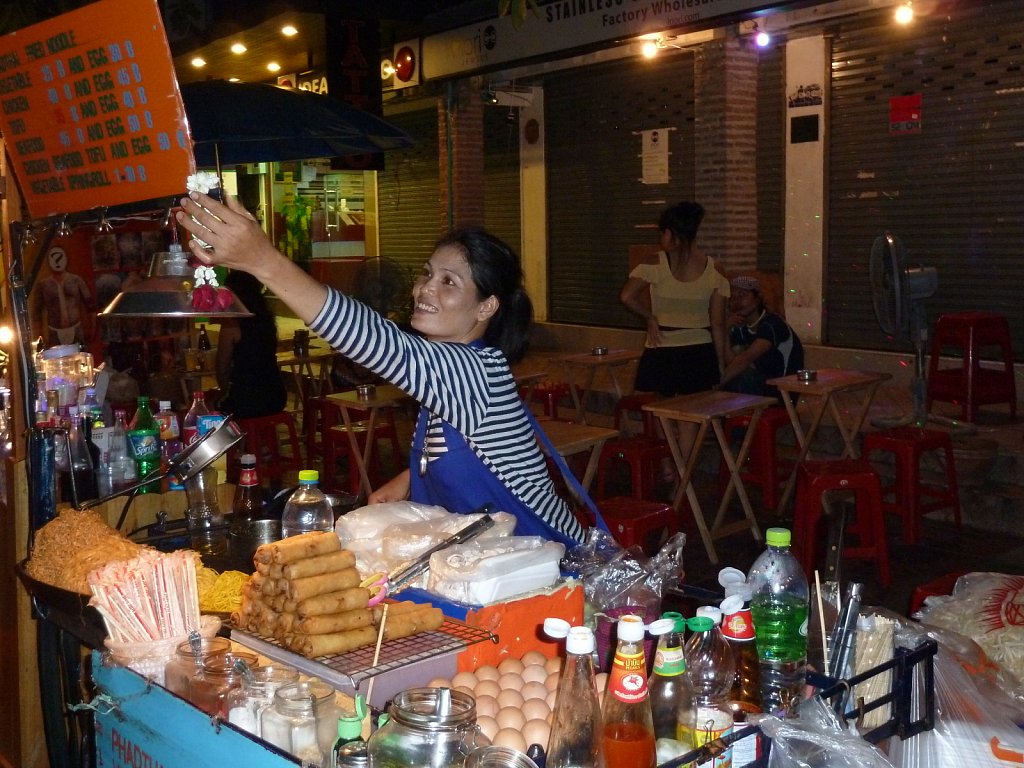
(762, 38)
(239, 48)
(198, 62)
(289, 31)
(274, 66)
(904, 13)
(649, 49)
(234, 80)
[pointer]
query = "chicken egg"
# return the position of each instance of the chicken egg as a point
(487, 672)
(468, 691)
(510, 717)
(488, 726)
(440, 682)
(534, 657)
(534, 673)
(550, 699)
(511, 665)
(553, 665)
(551, 681)
(533, 709)
(511, 738)
(510, 698)
(487, 706)
(487, 688)
(534, 691)
(536, 732)
(467, 679)
(510, 681)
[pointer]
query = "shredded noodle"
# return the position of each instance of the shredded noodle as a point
(219, 592)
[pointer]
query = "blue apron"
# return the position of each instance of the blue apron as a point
(460, 482)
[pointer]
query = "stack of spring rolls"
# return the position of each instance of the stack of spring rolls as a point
(306, 594)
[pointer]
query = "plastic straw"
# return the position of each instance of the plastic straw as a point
(821, 620)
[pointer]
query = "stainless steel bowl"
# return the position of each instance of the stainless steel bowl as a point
(807, 375)
(599, 351)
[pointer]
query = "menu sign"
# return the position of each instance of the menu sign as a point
(90, 109)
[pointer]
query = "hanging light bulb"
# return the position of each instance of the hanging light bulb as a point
(104, 225)
(904, 13)
(64, 229)
(29, 238)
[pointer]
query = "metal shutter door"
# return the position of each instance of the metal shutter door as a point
(501, 175)
(771, 172)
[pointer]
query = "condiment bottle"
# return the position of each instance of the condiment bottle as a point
(576, 721)
(204, 347)
(433, 727)
(745, 694)
(302, 720)
(628, 724)
(247, 504)
(246, 703)
(710, 666)
(188, 660)
(218, 675)
(190, 425)
(779, 604)
(668, 685)
(307, 509)
(144, 438)
(350, 730)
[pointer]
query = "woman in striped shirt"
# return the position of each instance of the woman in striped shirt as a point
(473, 443)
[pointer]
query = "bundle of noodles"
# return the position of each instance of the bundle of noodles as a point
(74, 543)
(307, 594)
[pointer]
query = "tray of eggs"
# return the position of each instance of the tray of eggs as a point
(515, 700)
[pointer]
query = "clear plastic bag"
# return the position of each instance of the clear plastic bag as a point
(482, 572)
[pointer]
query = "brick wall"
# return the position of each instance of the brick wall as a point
(465, 120)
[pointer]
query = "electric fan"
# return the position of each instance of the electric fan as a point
(898, 293)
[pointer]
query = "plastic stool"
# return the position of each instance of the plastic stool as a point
(645, 457)
(814, 479)
(635, 403)
(263, 440)
(911, 498)
(762, 467)
(970, 385)
(646, 524)
(550, 393)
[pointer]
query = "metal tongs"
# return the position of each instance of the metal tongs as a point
(399, 578)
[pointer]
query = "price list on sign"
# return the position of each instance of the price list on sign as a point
(90, 109)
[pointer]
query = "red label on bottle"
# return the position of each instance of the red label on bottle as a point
(739, 625)
(190, 435)
(627, 681)
(247, 477)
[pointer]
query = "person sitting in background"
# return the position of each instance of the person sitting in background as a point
(762, 345)
(247, 371)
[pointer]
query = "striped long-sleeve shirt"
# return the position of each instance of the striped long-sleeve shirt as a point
(471, 388)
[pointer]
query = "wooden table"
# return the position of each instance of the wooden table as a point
(529, 380)
(302, 366)
(588, 364)
(349, 402)
(860, 386)
(570, 438)
(706, 409)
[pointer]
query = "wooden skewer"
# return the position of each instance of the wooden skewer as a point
(376, 659)
(821, 619)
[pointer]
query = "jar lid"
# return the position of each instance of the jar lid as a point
(64, 350)
(352, 754)
(433, 708)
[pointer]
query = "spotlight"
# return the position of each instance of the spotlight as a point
(64, 229)
(904, 13)
(649, 49)
(489, 96)
(104, 225)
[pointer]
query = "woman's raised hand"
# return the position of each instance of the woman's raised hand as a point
(237, 240)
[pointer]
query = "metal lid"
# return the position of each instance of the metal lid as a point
(434, 709)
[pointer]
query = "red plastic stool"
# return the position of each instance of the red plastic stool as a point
(762, 467)
(550, 393)
(912, 498)
(647, 524)
(263, 439)
(814, 479)
(336, 443)
(635, 403)
(644, 456)
(970, 385)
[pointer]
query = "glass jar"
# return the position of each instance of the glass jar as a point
(188, 661)
(498, 757)
(217, 677)
(245, 704)
(303, 720)
(427, 726)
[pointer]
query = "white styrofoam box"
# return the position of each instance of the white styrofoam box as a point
(484, 572)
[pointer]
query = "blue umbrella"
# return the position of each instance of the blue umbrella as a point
(233, 123)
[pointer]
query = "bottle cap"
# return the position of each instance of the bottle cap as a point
(248, 458)
(165, 405)
(743, 591)
(351, 726)
(679, 623)
(731, 605)
(661, 626)
(631, 628)
(700, 624)
(556, 628)
(580, 641)
(309, 476)
(90, 391)
(730, 575)
(711, 612)
(778, 537)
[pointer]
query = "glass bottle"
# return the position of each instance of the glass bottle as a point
(188, 660)
(350, 730)
(710, 666)
(576, 722)
(170, 439)
(247, 504)
(669, 686)
(190, 425)
(246, 703)
(745, 694)
(122, 463)
(307, 509)
(628, 736)
(91, 407)
(79, 467)
(144, 439)
(217, 676)
(204, 347)
(433, 727)
(779, 604)
(303, 720)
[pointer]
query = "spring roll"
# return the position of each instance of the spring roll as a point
(333, 602)
(271, 570)
(311, 586)
(297, 547)
(314, 566)
(406, 624)
(397, 609)
(312, 646)
(334, 622)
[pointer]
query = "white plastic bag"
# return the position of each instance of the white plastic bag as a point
(484, 572)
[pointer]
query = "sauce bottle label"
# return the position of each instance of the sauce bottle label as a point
(627, 681)
(712, 723)
(247, 476)
(669, 662)
(739, 625)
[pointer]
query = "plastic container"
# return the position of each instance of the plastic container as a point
(303, 721)
(779, 606)
(710, 667)
(433, 727)
(628, 735)
(245, 705)
(669, 685)
(745, 695)
(576, 721)
(308, 509)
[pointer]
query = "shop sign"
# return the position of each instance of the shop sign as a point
(905, 114)
(564, 25)
(90, 110)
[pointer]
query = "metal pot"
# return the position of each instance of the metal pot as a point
(247, 538)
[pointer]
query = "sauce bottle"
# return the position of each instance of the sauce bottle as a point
(576, 722)
(628, 738)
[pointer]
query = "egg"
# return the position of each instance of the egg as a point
(510, 698)
(553, 665)
(534, 691)
(510, 681)
(467, 679)
(534, 657)
(487, 688)
(550, 699)
(468, 691)
(440, 682)
(534, 673)
(511, 665)
(487, 672)
(536, 732)
(551, 681)
(534, 709)
(488, 726)
(487, 706)
(510, 717)
(511, 738)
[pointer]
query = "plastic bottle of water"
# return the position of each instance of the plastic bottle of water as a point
(779, 606)
(710, 668)
(307, 509)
